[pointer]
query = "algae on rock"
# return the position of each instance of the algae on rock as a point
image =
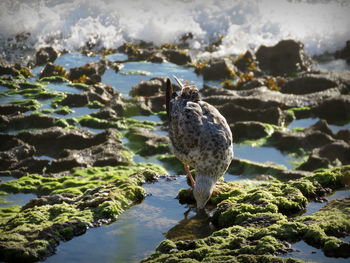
(68, 205)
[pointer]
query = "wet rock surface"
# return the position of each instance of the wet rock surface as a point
(286, 57)
(67, 149)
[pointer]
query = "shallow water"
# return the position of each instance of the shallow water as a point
(75, 59)
(63, 87)
(16, 199)
(136, 232)
(305, 123)
(122, 82)
(311, 254)
(313, 207)
(263, 154)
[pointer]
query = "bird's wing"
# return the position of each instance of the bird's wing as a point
(186, 125)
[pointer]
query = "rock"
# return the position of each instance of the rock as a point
(218, 69)
(334, 109)
(343, 135)
(234, 113)
(286, 57)
(53, 70)
(344, 53)
(90, 73)
(286, 140)
(67, 148)
(247, 63)
(156, 58)
(212, 91)
(309, 83)
(46, 54)
(250, 84)
(156, 103)
(149, 143)
(8, 69)
(335, 152)
(10, 109)
(179, 57)
(24, 121)
(249, 130)
(152, 87)
(75, 100)
(262, 97)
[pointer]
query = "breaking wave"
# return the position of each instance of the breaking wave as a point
(245, 24)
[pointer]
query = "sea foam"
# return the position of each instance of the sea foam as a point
(245, 24)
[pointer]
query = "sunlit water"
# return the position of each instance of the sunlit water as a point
(123, 82)
(136, 232)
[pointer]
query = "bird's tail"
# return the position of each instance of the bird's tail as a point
(168, 94)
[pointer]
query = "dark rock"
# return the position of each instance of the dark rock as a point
(335, 152)
(344, 53)
(308, 84)
(49, 200)
(218, 69)
(68, 148)
(250, 84)
(321, 126)
(52, 142)
(156, 103)
(248, 130)
(287, 140)
(30, 165)
(286, 57)
(10, 109)
(12, 156)
(24, 121)
(244, 62)
(8, 70)
(334, 109)
(53, 70)
(46, 54)
(343, 135)
(264, 97)
(75, 100)
(151, 143)
(212, 91)
(90, 73)
(234, 113)
(156, 58)
(179, 57)
(152, 87)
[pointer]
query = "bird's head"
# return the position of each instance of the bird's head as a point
(203, 189)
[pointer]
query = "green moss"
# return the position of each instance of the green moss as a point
(54, 79)
(241, 166)
(31, 104)
(255, 223)
(65, 110)
(82, 86)
(95, 104)
(123, 123)
(88, 195)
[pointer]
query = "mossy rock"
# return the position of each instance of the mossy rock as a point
(67, 206)
(255, 223)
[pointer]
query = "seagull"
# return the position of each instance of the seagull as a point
(199, 137)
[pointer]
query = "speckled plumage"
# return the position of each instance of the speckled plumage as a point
(200, 136)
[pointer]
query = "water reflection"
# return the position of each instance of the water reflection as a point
(191, 227)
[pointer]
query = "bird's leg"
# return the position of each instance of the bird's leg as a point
(189, 175)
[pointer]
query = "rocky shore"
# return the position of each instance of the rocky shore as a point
(84, 175)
